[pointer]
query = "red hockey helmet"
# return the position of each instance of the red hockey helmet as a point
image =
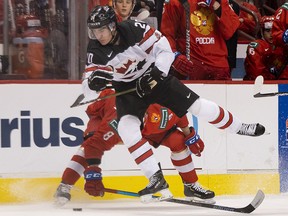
(25, 22)
(267, 22)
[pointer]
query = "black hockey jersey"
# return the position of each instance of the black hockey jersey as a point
(140, 48)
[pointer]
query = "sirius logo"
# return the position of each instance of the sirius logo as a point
(28, 129)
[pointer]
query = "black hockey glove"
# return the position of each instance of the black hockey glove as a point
(148, 81)
(274, 71)
(99, 79)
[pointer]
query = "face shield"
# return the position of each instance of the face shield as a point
(92, 34)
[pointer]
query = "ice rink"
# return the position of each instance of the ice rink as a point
(273, 205)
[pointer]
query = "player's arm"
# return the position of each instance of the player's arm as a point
(157, 46)
(172, 25)
(280, 27)
(254, 65)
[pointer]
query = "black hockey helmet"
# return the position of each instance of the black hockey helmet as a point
(101, 16)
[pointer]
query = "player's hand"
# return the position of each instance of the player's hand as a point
(274, 71)
(99, 78)
(93, 181)
(182, 65)
(194, 142)
(149, 5)
(148, 81)
(206, 3)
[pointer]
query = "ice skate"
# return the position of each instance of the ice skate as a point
(195, 192)
(62, 194)
(156, 184)
(251, 129)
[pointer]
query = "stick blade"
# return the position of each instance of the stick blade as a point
(144, 14)
(78, 100)
(258, 199)
(258, 84)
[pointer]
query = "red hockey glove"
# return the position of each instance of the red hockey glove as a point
(99, 78)
(182, 64)
(93, 177)
(194, 142)
(206, 3)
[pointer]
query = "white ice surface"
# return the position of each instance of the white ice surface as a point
(273, 205)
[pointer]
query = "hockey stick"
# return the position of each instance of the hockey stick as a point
(259, 197)
(258, 87)
(186, 6)
(81, 97)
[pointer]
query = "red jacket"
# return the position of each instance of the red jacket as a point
(280, 24)
(207, 32)
(261, 57)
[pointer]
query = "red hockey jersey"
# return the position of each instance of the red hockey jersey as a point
(208, 32)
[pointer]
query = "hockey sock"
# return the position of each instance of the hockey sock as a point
(183, 163)
(75, 168)
(215, 115)
(139, 148)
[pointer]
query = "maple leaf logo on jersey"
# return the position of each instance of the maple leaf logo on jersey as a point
(126, 67)
(203, 21)
(155, 118)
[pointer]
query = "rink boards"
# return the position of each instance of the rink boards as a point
(40, 133)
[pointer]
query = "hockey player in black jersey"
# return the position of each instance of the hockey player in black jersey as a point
(132, 54)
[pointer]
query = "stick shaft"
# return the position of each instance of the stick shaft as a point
(271, 94)
(103, 98)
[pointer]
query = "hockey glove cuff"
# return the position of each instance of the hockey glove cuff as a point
(194, 142)
(148, 81)
(93, 181)
(285, 36)
(182, 64)
(99, 79)
(274, 71)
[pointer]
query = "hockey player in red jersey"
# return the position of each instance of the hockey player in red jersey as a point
(211, 23)
(247, 21)
(280, 26)
(263, 57)
(160, 128)
(137, 56)
(280, 32)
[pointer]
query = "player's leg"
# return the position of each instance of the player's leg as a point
(223, 119)
(202, 108)
(70, 176)
(141, 152)
(182, 160)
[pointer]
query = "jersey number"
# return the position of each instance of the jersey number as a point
(108, 135)
(140, 24)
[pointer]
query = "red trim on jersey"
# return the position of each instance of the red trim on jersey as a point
(147, 36)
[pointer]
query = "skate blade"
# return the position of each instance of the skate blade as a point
(196, 199)
(165, 195)
(60, 201)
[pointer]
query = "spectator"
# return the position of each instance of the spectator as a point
(247, 21)
(93, 3)
(211, 24)
(123, 8)
(264, 58)
(280, 28)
